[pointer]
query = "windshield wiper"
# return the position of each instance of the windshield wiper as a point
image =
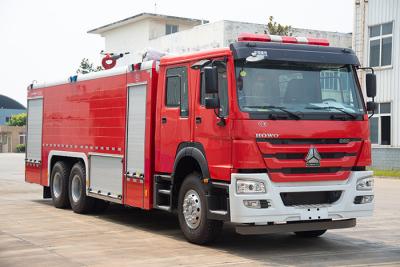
(292, 114)
(335, 108)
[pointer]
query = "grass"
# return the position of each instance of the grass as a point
(386, 173)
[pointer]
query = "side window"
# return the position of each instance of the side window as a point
(173, 91)
(177, 89)
(222, 93)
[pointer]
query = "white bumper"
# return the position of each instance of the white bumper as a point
(344, 208)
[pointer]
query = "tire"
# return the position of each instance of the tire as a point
(59, 185)
(196, 229)
(311, 234)
(80, 202)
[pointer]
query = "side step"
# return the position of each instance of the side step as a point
(162, 192)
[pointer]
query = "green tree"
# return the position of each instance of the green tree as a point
(17, 120)
(275, 28)
(86, 67)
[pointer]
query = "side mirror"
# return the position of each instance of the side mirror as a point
(372, 106)
(371, 84)
(211, 80)
(211, 102)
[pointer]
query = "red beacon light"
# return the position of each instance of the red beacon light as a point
(253, 37)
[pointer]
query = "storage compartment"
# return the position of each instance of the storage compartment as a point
(105, 175)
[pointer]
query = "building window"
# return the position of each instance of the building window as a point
(380, 45)
(22, 138)
(8, 119)
(169, 28)
(380, 125)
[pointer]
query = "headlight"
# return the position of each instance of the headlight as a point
(249, 187)
(365, 184)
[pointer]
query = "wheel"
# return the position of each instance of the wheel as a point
(192, 212)
(80, 202)
(311, 234)
(59, 185)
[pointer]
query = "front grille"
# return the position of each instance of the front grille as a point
(285, 159)
(309, 170)
(310, 198)
(308, 141)
(327, 155)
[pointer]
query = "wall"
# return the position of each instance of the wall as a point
(14, 131)
(386, 158)
(234, 28)
(4, 113)
(388, 78)
(139, 36)
(157, 27)
(369, 13)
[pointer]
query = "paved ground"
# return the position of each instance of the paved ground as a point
(33, 233)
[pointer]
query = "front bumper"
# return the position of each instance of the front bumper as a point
(277, 212)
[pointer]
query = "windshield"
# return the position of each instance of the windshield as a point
(298, 91)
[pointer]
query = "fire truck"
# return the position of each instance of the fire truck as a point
(270, 134)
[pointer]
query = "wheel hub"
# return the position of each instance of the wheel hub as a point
(76, 188)
(192, 209)
(57, 184)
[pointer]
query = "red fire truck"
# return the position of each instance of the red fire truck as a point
(270, 134)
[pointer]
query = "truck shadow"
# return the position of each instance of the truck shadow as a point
(334, 248)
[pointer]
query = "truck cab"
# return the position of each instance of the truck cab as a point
(270, 134)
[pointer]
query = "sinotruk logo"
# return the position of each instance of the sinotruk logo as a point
(313, 158)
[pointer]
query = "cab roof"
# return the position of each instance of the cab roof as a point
(218, 52)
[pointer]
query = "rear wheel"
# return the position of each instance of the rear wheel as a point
(80, 202)
(192, 212)
(59, 185)
(311, 234)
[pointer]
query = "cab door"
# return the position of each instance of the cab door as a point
(175, 123)
(209, 130)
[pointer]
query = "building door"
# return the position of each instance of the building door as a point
(9, 143)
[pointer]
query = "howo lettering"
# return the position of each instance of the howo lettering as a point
(270, 134)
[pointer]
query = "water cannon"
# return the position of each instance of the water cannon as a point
(110, 59)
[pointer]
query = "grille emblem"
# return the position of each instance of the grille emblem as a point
(313, 158)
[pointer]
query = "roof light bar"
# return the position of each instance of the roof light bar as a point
(252, 37)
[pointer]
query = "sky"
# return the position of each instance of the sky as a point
(45, 40)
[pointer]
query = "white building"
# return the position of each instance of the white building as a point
(376, 42)
(180, 35)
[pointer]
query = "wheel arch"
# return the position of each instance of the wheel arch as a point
(70, 157)
(190, 157)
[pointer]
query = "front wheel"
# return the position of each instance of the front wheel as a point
(310, 234)
(192, 212)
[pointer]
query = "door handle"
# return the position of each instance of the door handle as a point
(163, 120)
(198, 120)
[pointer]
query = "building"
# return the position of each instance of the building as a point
(181, 35)
(376, 42)
(9, 107)
(10, 136)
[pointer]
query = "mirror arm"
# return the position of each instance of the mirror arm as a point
(222, 121)
(367, 68)
(373, 111)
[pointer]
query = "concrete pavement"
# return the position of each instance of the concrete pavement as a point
(34, 233)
